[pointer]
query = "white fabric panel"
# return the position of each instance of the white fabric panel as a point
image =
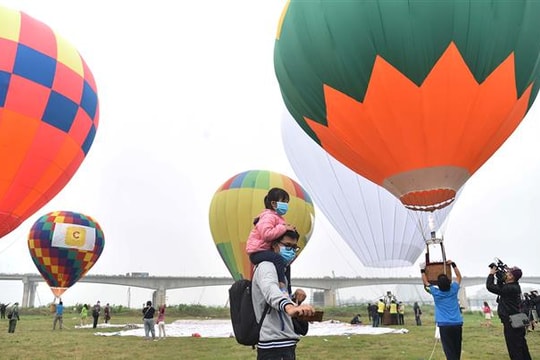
(73, 236)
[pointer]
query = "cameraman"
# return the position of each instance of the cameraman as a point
(508, 299)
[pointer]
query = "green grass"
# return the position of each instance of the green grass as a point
(34, 339)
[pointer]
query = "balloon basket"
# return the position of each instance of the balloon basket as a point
(436, 268)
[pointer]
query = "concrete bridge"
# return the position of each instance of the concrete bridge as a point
(329, 285)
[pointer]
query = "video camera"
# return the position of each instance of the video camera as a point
(501, 267)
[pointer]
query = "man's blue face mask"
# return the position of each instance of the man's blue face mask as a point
(287, 253)
(281, 207)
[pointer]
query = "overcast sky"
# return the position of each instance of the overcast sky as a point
(188, 98)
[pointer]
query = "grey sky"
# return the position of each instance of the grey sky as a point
(188, 98)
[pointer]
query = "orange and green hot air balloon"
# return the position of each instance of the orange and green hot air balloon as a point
(239, 200)
(64, 246)
(48, 115)
(414, 95)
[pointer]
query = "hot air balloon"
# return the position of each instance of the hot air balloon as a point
(239, 200)
(377, 227)
(414, 95)
(64, 246)
(48, 115)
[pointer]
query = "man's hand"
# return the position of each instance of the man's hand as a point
(299, 296)
(300, 310)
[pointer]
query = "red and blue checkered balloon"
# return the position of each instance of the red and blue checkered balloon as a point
(48, 115)
(64, 246)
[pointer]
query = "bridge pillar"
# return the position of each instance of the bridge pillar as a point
(329, 297)
(29, 292)
(159, 297)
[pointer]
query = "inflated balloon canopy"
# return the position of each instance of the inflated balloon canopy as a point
(48, 115)
(414, 95)
(64, 246)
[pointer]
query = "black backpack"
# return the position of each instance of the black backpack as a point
(245, 326)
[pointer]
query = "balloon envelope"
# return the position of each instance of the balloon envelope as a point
(64, 246)
(414, 95)
(377, 227)
(239, 200)
(48, 115)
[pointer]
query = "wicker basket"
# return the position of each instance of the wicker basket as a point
(434, 269)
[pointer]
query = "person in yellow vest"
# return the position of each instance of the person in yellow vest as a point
(393, 313)
(401, 313)
(380, 313)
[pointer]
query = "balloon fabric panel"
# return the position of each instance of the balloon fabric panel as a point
(414, 95)
(49, 115)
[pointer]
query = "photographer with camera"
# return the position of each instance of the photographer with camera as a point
(509, 297)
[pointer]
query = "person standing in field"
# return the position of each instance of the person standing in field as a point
(84, 314)
(107, 313)
(96, 310)
(148, 319)
(13, 317)
(161, 322)
(508, 293)
(487, 314)
(417, 314)
(277, 338)
(59, 315)
(447, 312)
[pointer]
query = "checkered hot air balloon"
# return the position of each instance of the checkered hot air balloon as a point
(239, 200)
(65, 245)
(48, 115)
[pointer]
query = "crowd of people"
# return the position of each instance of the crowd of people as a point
(386, 311)
(272, 245)
(57, 309)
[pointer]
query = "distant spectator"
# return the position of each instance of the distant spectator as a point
(59, 315)
(148, 319)
(487, 314)
(161, 322)
(401, 313)
(107, 313)
(96, 310)
(381, 306)
(3, 308)
(356, 320)
(13, 316)
(417, 314)
(84, 314)
(393, 312)
(374, 315)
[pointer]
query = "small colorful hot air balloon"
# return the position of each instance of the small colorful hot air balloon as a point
(48, 115)
(414, 95)
(65, 245)
(239, 200)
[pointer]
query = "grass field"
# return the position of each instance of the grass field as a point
(34, 339)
